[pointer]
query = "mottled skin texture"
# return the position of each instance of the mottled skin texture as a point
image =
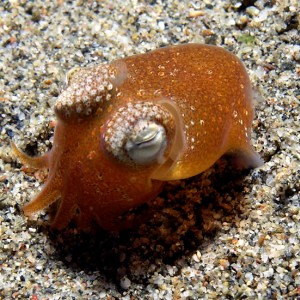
(211, 93)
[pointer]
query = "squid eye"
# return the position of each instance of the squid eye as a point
(147, 142)
(144, 133)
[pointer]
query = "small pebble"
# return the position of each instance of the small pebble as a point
(125, 283)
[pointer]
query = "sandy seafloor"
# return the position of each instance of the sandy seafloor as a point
(225, 234)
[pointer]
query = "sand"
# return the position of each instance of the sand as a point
(224, 234)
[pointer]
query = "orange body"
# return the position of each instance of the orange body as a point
(203, 90)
